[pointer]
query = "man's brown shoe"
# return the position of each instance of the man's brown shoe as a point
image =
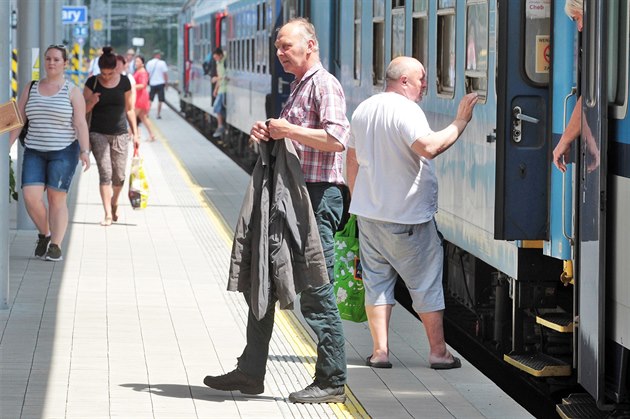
(235, 380)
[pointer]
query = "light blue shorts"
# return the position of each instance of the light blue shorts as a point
(413, 251)
(219, 104)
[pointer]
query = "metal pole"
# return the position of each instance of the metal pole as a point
(58, 36)
(5, 48)
(46, 32)
(28, 38)
(109, 22)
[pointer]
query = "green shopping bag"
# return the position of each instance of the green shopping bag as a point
(348, 281)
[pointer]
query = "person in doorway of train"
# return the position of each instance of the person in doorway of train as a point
(394, 195)
(109, 97)
(55, 109)
(158, 78)
(561, 153)
(314, 118)
(220, 88)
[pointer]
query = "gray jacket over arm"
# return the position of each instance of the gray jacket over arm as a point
(276, 243)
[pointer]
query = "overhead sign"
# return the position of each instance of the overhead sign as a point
(80, 31)
(71, 15)
(137, 42)
(97, 24)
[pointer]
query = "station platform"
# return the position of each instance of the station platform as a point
(136, 315)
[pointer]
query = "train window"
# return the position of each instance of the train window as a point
(239, 59)
(250, 55)
(420, 35)
(398, 31)
(537, 45)
(258, 50)
(258, 17)
(378, 42)
(290, 10)
(618, 57)
(357, 39)
(477, 48)
(446, 51)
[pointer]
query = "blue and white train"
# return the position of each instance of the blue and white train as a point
(534, 258)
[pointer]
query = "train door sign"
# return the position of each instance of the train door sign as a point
(523, 131)
(591, 202)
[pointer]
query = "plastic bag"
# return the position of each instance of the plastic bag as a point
(348, 286)
(138, 185)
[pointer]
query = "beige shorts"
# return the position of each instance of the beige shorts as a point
(110, 152)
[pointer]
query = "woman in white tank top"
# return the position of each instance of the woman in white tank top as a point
(56, 114)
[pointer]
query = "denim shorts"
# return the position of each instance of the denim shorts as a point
(54, 169)
(413, 251)
(219, 104)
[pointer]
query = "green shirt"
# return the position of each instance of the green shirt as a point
(221, 75)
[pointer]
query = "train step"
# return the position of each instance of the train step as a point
(579, 406)
(560, 322)
(539, 365)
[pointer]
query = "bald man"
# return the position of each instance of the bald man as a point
(394, 195)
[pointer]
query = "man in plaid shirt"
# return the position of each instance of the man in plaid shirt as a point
(314, 118)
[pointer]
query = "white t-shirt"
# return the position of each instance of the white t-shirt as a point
(156, 69)
(94, 69)
(394, 184)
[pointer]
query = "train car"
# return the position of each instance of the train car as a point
(257, 84)
(533, 255)
(535, 270)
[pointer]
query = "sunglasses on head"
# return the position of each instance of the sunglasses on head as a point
(57, 46)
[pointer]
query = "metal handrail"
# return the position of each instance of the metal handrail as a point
(564, 174)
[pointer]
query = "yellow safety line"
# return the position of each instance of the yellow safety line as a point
(295, 333)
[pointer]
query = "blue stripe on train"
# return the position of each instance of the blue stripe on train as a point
(619, 159)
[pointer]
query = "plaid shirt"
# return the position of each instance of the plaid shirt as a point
(317, 101)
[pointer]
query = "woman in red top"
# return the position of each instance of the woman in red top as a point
(142, 95)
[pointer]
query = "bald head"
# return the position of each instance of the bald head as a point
(406, 76)
(402, 66)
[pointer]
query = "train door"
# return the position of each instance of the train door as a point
(523, 65)
(188, 57)
(591, 202)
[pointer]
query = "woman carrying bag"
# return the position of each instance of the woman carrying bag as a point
(55, 110)
(109, 97)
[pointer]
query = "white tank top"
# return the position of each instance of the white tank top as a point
(49, 120)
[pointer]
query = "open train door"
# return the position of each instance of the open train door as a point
(188, 56)
(523, 131)
(591, 201)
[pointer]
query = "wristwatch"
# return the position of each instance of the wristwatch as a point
(85, 152)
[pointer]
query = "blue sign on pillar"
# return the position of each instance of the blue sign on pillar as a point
(80, 30)
(74, 15)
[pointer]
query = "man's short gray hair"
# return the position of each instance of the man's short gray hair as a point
(307, 29)
(574, 6)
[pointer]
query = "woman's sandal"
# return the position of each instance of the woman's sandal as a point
(106, 222)
(114, 216)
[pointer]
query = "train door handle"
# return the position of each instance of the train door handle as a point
(522, 117)
(519, 118)
(281, 84)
